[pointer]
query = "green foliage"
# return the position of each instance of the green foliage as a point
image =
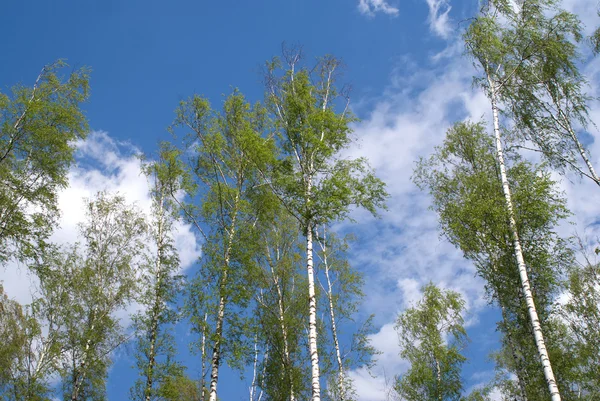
(528, 53)
(105, 273)
(160, 285)
(179, 387)
(595, 39)
(14, 329)
(281, 309)
(316, 185)
(224, 198)
(582, 314)
(431, 335)
(464, 181)
(38, 130)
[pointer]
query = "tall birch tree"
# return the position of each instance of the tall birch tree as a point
(314, 183)
(494, 42)
(463, 178)
(281, 309)
(219, 179)
(105, 273)
(155, 349)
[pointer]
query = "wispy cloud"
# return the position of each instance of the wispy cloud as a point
(372, 7)
(438, 19)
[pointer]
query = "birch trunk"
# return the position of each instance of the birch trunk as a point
(203, 356)
(216, 357)
(157, 300)
(152, 351)
(312, 318)
(580, 148)
(253, 384)
(439, 379)
(336, 343)
(81, 376)
(535, 322)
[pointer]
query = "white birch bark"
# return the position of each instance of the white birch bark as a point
(81, 376)
(253, 384)
(533, 316)
(312, 318)
(203, 356)
(216, 357)
(160, 239)
(336, 343)
(580, 147)
(439, 379)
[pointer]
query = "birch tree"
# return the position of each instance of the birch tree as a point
(281, 307)
(105, 277)
(155, 347)
(220, 179)
(497, 49)
(463, 178)
(38, 129)
(432, 335)
(314, 183)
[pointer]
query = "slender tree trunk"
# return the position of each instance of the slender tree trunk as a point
(203, 356)
(265, 359)
(152, 350)
(157, 299)
(81, 376)
(216, 357)
(580, 147)
(312, 317)
(535, 322)
(336, 343)
(253, 385)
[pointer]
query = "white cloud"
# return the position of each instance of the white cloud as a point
(371, 7)
(438, 19)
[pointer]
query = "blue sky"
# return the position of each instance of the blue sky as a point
(410, 82)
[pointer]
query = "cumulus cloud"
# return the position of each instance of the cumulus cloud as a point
(372, 7)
